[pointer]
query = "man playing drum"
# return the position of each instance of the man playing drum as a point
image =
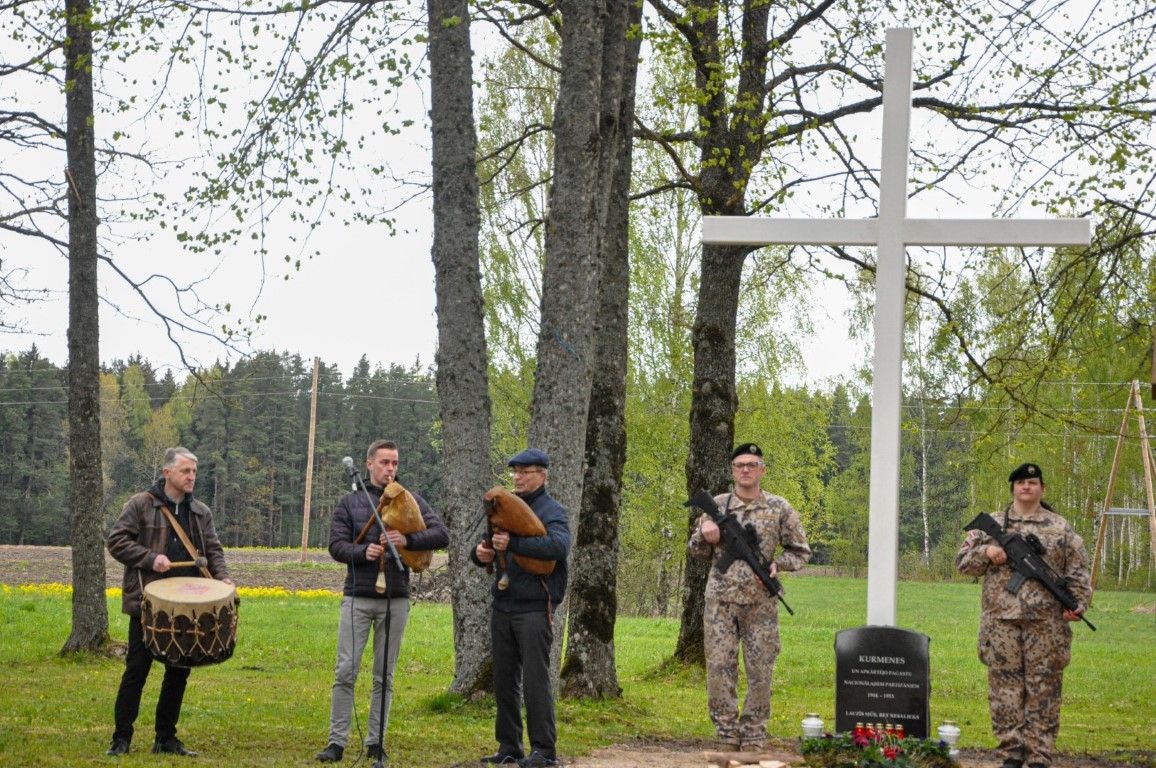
(148, 544)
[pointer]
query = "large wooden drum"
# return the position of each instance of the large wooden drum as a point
(188, 621)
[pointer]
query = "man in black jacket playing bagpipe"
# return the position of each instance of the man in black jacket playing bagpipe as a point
(376, 596)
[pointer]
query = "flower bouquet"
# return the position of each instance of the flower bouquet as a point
(874, 750)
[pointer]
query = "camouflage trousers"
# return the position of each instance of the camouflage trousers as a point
(756, 628)
(1025, 672)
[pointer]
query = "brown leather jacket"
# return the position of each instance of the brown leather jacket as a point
(139, 535)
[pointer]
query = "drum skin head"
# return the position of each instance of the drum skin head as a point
(190, 590)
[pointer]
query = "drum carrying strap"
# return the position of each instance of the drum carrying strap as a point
(184, 538)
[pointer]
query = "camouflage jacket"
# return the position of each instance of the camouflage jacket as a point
(1063, 551)
(778, 527)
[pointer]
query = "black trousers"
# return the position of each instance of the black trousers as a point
(521, 647)
(137, 664)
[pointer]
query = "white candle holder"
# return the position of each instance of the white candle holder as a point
(812, 726)
(949, 735)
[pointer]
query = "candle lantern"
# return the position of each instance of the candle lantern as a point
(812, 726)
(949, 735)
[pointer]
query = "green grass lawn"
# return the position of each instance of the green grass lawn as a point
(269, 705)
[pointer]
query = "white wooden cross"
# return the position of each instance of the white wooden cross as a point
(891, 233)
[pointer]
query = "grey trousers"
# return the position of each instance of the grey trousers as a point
(358, 616)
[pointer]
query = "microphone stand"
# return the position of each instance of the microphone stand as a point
(379, 758)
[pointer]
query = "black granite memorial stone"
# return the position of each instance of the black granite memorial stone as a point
(882, 675)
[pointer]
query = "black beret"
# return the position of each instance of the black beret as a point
(1025, 471)
(752, 448)
(529, 457)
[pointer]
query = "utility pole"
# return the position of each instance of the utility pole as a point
(309, 465)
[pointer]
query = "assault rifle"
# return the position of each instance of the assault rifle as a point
(742, 542)
(1024, 556)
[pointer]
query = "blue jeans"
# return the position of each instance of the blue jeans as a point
(358, 616)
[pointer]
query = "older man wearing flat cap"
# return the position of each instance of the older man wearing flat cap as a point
(522, 620)
(1025, 639)
(738, 609)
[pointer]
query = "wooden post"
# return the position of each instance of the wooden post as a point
(1149, 473)
(309, 466)
(1102, 523)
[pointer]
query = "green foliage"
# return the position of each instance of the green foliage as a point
(33, 435)
(515, 148)
(248, 423)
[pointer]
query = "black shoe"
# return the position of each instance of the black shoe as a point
(536, 760)
(501, 758)
(331, 754)
(118, 747)
(1012, 762)
(375, 752)
(172, 746)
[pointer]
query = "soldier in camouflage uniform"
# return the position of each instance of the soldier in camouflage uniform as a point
(1024, 638)
(738, 607)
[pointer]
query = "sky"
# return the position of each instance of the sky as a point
(365, 293)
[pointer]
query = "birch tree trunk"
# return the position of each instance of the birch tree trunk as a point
(571, 273)
(565, 352)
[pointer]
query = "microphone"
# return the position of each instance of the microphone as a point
(349, 470)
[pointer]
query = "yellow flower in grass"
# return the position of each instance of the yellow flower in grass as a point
(282, 592)
(262, 592)
(316, 593)
(64, 590)
(39, 589)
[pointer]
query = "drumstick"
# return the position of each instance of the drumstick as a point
(200, 562)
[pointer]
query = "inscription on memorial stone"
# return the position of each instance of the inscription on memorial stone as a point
(882, 675)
